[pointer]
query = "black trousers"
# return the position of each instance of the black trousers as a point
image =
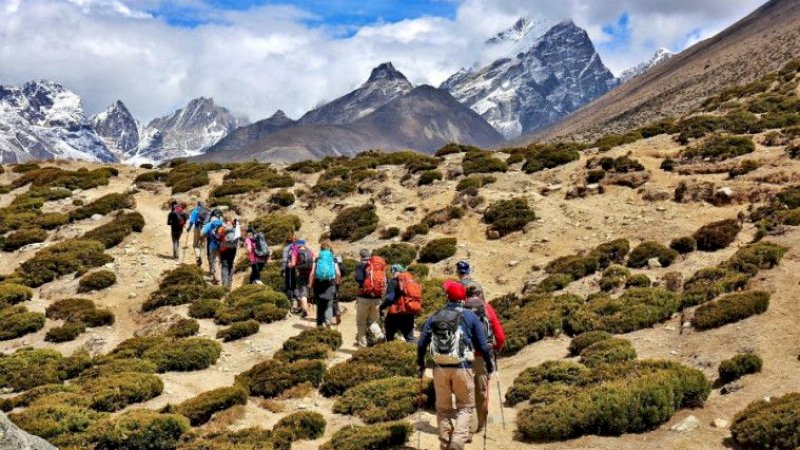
(255, 271)
(290, 282)
(404, 323)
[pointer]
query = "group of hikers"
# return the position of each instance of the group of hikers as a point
(461, 339)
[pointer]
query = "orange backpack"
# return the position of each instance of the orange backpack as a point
(374, 278)
(410, 301)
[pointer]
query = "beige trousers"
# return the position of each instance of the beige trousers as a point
(481, 392)
(198, 243)
(366, 314)
(453, 420)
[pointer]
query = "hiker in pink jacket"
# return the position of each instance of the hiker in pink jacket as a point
(257, 254)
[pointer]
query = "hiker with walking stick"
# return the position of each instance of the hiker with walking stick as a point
(176, 219)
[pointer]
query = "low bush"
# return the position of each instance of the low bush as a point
(529, 319)
(453, 148)
(368, 364)
(481, 161)
(397, 253)
(646, 251)
(612, 140)
(389, 233)
(708, 283)
(260, 174)
(282, 198)
(744, 168)
(21, 238)
(554, 283)
(184, 284)
(103, 205)
(429, 176)
(58, 422)
(246, 439)
(74, 255)
(608, 351)
(373, 437)
(534, 381)
(54, 177)
(730, 308)
(252, 302)
(140, 429)
(719, 148)
(585, 340)
(30, 367)
(202, 407)
(475, 181)
(640, 280)
(183, 328)
(507, 216)
(575, 266)
(635, 309)
(50, 221)
(276, 227)
(297, 426)
(438, 250)
(111, 392)
(270, 378)
(150, 177)
(383, 400)
(204, 308)
(185, 177)
(114, 232)
(183, 355)
(17, 321)
(768, 424)
(65, 333)
(414, 230)
(315, 343)
(95, 281)
(612, 252)
(683, 245)
(25, 167)
(718, 235)
(355, 223)
(547, 156)
(238, 330)
(739, 366)
(12, 293)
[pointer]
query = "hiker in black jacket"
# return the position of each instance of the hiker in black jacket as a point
(176, 220)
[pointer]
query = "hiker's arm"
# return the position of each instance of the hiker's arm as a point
(192, 219)
(338, 273)
(169, 219)
(359, 274)
(311, 275)
(422, 345)
(497, 327)
(391, 294)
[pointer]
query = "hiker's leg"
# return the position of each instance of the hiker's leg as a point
(322, 305)
(390, 326)
(253, 272)
(444, 405)
(464, 389)
(197, 245)
(176, 245)
(228, 258)
(259, 268)
(363, 306)
(481, 393)
(406, 322)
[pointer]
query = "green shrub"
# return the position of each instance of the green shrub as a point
(608, 351)
(555, 282)
(140, 429)
(585, 340)
(184, 355)
(184, 284)
(29, 367)
(383, 400)
(252, 302)
(51, 419)
(762, 255)
(739, 366)
(453, 148)
(282, 198)
(529, 319)
(276, 227)
(414, 230)
(272, 377)
(443, 216)
(238, 330)
(649, 250)
(368, 364)
(183, 328)
(65, 333)
(12, 293)
(150, 177)
(377, 437)
(74, 255)
(25, 167)
(482, 162)
(683, 245)
(50, 221)
(474, 182)
(17, 321)
(200, 408)
(298, 426)
(730, 308)
(103, 205)
(315, 343)
(548, 374)
(354, 223)
(247, 439)
(21, 238)
(204, 308)
(438, 250)
(708, 283)
(185, 177)
(397, 253)
(718, 235)
(719, 148)
(114, 232)
(95, 281)
(429, 176)
(744, 168)
(113, 392)
(612, 252)
(547, 156)
(389, 233)
(576, 266)
(640, 280)
(53, 177)
(508, 216)
(769, 424)
(612, 140)
(635, 309)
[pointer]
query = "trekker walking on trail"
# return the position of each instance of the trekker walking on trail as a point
(476, 302)
(197, 218)
(370, 275)
(176, 219)
(337, 310)
(303, 263)
(324, 278)
(464, 272)
(289, 274)
(257, 253)
(452, 335)
(210, 235)
(229, 236)
(404, 302)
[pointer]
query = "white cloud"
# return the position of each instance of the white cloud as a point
(266, 58)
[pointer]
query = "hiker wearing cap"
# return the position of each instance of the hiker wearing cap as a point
(229, 235)
(324, 278)
(452, 335)
(302, 263)
(289, 274)
(464, 272)
(257, 253)
(176, 219)
(209, 234)
(476, 302)
(197, 219)
(370, 275)
(403, 301)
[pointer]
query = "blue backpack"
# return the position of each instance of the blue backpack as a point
(326, 266)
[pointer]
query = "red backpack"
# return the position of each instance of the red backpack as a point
(179, 213)
(374, 278)
(410, 301)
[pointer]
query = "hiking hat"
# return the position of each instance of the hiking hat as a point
(397, 268)
(365, 253)
(301, 242)
(456, 292)
(216, 212)
(463, 268)
(201, 204)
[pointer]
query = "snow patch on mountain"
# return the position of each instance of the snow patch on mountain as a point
(661, 55)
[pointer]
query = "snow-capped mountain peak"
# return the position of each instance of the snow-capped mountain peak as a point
(659, 57)
(118, 129)
(386, 71)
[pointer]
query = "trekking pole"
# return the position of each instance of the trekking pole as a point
(419, 412)
(185, 246)
(499, 392)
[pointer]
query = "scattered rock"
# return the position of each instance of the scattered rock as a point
(502, 281)
(492, 234)
(513, 263)
(688, 424)
(132, 295)
(96, 217)
(34, 246)
(669, 328)
(687, 324)
(12, 437)
(653, 263)
(732, 387)
(720, 423)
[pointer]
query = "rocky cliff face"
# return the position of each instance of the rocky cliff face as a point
(118, 129)
(12, 438)
(555, 74)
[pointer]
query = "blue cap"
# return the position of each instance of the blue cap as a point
(301, 242)
(398, 268)
(463, 268)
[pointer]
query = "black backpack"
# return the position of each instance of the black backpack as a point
(478, 306)
(305, 260)
(203, 216)
(449, 345)
(261, 248)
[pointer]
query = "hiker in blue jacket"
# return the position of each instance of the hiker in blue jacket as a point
(197, 219)
(209, 233)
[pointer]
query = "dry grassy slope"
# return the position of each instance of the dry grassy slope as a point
(749, 49)
(563, 228)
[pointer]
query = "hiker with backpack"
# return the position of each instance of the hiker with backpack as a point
(176, 219)
(302, 264)
(197, 218)
(324, 278)
(210, 235)
(337, 310)
(452, 336)
(370, 275)
(476, 302)
(229, 235)
(404, 303)
(289, 274)
(257, 253)
(464, 272)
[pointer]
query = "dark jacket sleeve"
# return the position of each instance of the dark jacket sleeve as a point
(480, 341)
(392, 294)
(423, 343)
(360, 274)
(170, 218)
